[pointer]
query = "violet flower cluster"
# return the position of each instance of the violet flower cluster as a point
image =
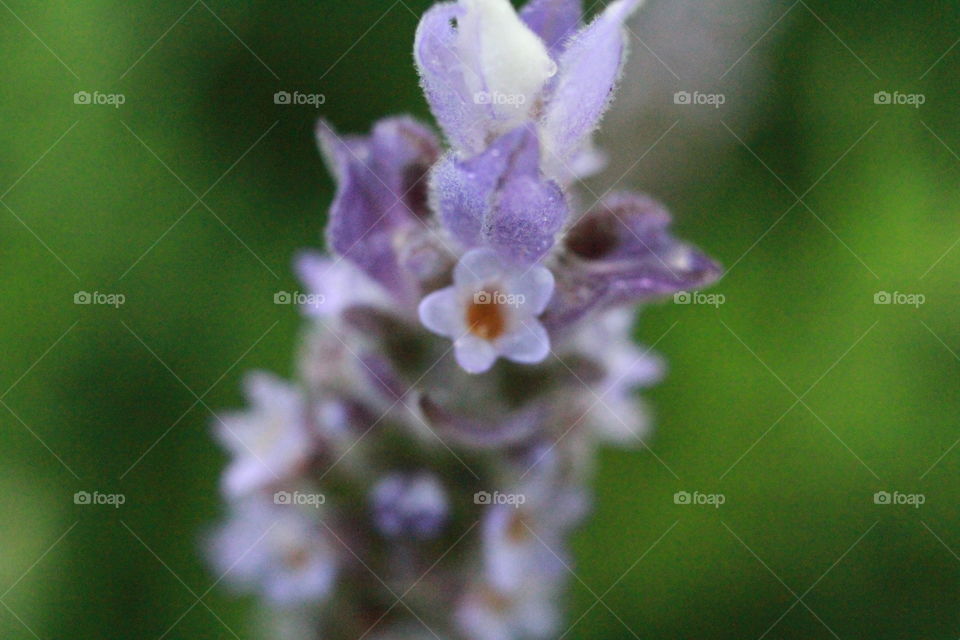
(468, 347)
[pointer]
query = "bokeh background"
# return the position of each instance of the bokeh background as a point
(797, 399)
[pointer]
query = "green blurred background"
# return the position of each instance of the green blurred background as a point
(797, 399)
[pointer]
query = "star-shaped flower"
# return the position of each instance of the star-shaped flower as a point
(491, 311)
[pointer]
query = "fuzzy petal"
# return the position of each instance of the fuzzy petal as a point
(442, 74)
(553, 20)
(380, 189)
(499, 199)
(590, 68)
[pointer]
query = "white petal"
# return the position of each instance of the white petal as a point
(244, 476)
(478, 267)
(267, 390)
(506, 61)
(441, 313)
(535, 285)
(474, 354)
(528, 343)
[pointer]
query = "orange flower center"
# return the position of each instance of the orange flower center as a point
(485, 318)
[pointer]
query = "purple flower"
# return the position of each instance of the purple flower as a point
(381, 192)
(490, 311)
(530, 612)
(622, 252)
(616, 413)
(276, 550)
(409, 505)
(270, 441)
(335, 285)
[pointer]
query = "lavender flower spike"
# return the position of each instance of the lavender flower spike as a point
(468, 347)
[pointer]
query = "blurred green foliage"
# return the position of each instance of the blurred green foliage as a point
(797, 399)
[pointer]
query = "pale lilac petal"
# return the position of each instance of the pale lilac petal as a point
(621, 418)
(441, 312)
(506, 560)
(500, 199)
(402, 150)
(264, 389)
(553, 20)
(526, 344)
(409, 505)
(442, 74)
(479, 621)
(590, 68)
(244, 476)
(254, 548)
(529, 214)
(534, 287)
(478, 267)
(474, 355)
(333, 285)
